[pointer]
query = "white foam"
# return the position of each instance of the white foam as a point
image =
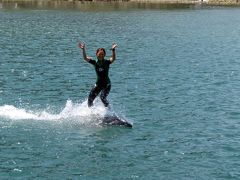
(71, 111)
(11, 112)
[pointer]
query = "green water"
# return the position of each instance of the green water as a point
(176, 78)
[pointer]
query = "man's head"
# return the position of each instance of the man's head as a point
(100, 53)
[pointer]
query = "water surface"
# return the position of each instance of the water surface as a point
(176, 78)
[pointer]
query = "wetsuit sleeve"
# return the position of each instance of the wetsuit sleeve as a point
(108, 62)
(92, 62)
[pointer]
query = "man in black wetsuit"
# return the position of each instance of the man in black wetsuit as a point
(103, 83)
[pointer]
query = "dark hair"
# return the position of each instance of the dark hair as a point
(101, 49)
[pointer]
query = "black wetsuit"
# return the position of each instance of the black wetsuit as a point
(103, 83)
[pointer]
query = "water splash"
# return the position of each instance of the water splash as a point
(75, 112)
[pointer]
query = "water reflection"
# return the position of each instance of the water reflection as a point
(91, 5)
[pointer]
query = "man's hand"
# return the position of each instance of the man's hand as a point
(81, 45)
(114, 45)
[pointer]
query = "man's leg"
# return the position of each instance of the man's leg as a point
(104, 95)
(93, 94)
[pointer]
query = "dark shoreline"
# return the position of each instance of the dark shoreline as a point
(114, 4)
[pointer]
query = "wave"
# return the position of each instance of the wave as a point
(78, 112)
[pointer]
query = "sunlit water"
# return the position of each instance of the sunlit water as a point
(176, 78)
